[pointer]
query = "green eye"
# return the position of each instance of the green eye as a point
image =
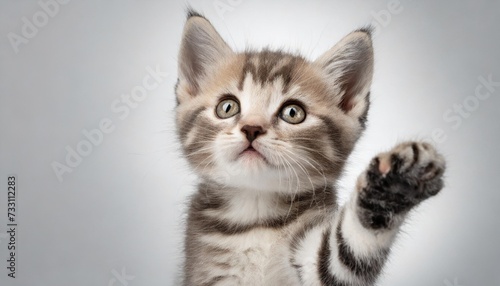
(227, 108)
(293, 114)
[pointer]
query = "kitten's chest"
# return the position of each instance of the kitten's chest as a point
(251, 257)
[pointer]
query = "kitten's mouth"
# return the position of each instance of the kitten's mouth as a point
(250, 149)
(252, 152)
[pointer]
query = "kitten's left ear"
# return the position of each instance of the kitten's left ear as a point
(201, 48)
(349, 69)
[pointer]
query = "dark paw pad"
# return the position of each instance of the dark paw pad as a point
(398, 180)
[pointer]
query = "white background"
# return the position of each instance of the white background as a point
(121, 208)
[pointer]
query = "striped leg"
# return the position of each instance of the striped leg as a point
(352, 250)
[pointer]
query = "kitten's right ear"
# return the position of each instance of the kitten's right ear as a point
(201, 48)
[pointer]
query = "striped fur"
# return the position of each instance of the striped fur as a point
(266, 212)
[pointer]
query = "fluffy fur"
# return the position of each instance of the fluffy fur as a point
(266, 212)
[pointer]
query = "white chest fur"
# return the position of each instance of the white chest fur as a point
(253, 257)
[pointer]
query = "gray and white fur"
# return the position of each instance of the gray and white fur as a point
(269, 133)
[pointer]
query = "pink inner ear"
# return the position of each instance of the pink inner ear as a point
(191, 90)
(346, 104)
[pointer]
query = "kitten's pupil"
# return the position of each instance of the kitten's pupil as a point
(292, 112)
(227, 107)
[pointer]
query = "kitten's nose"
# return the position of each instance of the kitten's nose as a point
(252, 132)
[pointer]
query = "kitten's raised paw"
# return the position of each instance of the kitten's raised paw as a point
(398, 180)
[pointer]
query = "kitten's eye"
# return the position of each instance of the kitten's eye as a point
(227, 108)
(293, 114)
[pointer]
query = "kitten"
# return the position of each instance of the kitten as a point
(269, 133)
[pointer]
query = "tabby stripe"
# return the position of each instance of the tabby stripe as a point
(187, 124)
(298, 268)
(215, 280)
(321, 164)
(266, 63)
(328, 200)
(325, 275)
(285, 72)
(368, 269)
(211, 224)
(248, 67)
(301, 234)
(207, 199)
(297, 238)
(261, 66)
(336, 136)
(214, 250)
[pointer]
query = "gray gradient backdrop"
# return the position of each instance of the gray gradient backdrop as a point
(119, 212)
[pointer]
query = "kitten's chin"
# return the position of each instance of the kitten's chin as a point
(252, 159)
(250, 171)
(265, 181)
(248, 168)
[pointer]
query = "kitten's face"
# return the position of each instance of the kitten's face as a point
(264, 121)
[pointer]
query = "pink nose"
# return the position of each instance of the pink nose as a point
(252, 132)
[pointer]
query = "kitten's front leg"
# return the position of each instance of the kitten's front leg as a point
(394, 183)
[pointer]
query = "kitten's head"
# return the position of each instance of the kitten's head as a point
(270, 120)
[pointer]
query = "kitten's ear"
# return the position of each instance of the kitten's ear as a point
(349, 70)
(201, 48)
